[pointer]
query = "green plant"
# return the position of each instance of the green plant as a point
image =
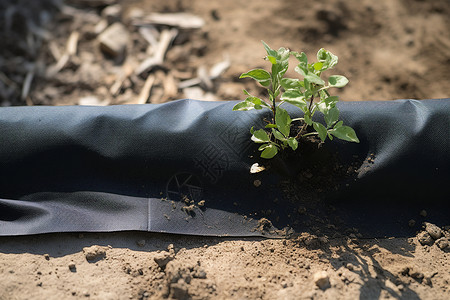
(309, 95)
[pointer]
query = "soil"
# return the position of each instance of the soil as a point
(132, 265)
(388, 50)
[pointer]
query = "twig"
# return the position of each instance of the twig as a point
(145, 92)
(181, 20)
(215, 72)
(72, 43)
(127, 70)
(71, 49)
(27, 84)
(165, 39)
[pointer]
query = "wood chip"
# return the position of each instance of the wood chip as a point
(114, 40)
(27, 84)
(164, 42)
(71, 50)
(72, 43)
(126, 71)
(181, 20)
(220, 67)
(150, 34)
(54, 50)
(203, 74)
(170, 86)
(214, 73)
(145, 92)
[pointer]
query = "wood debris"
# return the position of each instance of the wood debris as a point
(180, 20)
(145, 92)
(114, 40)
(103, 56)
(165, 39)
(71, 50)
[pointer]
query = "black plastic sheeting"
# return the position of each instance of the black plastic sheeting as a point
(118, 168)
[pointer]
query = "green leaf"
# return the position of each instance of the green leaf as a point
(269, 152)
(290, 83)
(259, 103)
(262, 147)
(307, 118)
(314, 79)
(331, 116)
(279, 69)
(283, 57)
(247, 93)
(278, 135)
(293, 94)
(293, 143)
(318, 66)
(345, 133)
(301, 57)
(283, 121)
(329, 59)
(322, 55)
(333, 60)
(271, 125)
(272, 59)
(250, 103)
(257, 74)
(326, 104)
(260, 136)
(321, 130)
(301, 70)
(332, 100)
(269, 50)
(244, 105)
(337, 81)
(295, 97)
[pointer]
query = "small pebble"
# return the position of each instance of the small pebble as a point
(257, 183)
(163, 258)
(322, 280)
(433, 230)
(412, 223)
(443, 243)
(72, 266)
(423, 213)
(46, 256)
(425, 238)
(140, 243)
(179, 290)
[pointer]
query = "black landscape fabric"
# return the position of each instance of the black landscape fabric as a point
(183, 167)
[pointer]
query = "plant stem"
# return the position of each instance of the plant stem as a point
(311, 133)
(310, 103)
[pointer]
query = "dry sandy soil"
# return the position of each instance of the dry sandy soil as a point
(388, 49)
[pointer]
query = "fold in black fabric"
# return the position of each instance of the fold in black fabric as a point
(148, 167)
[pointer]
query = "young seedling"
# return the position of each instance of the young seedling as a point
(309, 95)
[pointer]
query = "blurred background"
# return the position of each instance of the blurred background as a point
(105, 52)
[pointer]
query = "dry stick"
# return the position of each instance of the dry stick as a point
(180, 20)
(165, 39)
(127, 70)
(71, 49)
(215, 72)
(54, 51)
(27, 84)
(145, 93)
